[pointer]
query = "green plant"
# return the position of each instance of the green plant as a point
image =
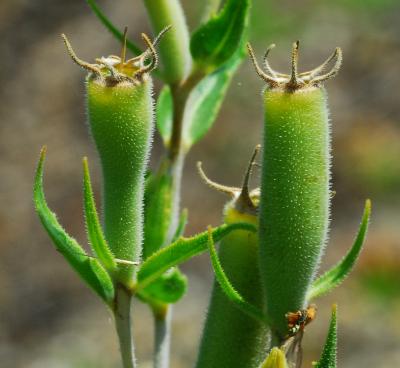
(238, 258)
(271, 238)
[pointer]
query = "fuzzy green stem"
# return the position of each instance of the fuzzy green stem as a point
(162, 335)
(123, 323)
(174, 161)
(175, 154)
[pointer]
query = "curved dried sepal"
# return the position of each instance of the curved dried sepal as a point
(266, 65)
(319, 69)
(116, 69)
(161, 35)
(244, 199)
(335, 69)
(296, 80)
(270, 80)
(231, 191)
(147, 53)
(154, 59)
(83, 64)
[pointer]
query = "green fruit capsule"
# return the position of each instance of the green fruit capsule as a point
(232, 338)
(295, 195)
(120, 113)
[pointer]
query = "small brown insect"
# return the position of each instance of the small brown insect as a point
(298, 320)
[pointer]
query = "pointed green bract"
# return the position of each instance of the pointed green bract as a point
(93, 227)
(227, 287)
(180, 251)
(89, 269)
(206, 99)
(216, 41)
(335, 276)
(328, 357)
(114, 31)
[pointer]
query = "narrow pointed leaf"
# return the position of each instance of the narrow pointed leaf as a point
(164, 112)
(95, 233)
(182, 250)
(328, 357)
(168, 288)
(216, 41)
(183, 219)
(226, 286)
(110, 26)
(205, 101)
(89, 269)
(334, 277)
(275, 359)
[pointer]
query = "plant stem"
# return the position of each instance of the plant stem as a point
(122, 316)
(162, 333)
(176, 152)
(176, 159)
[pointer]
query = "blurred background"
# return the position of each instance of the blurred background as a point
(48, 318)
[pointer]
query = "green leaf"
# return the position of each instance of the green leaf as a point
(205, 101)
(157, 210)
(328, 357)
(89, 269)
(94, 231)
(216, 41)
(169, 288)
(334, 277)
(164, 112)
(183, 219)
(226, 286)
(180, 251)
(114, 30)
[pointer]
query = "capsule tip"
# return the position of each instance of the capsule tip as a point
(296, 81)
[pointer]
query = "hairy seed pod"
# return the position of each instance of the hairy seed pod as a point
(295, 196)
(232, 338)
(120, 112)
